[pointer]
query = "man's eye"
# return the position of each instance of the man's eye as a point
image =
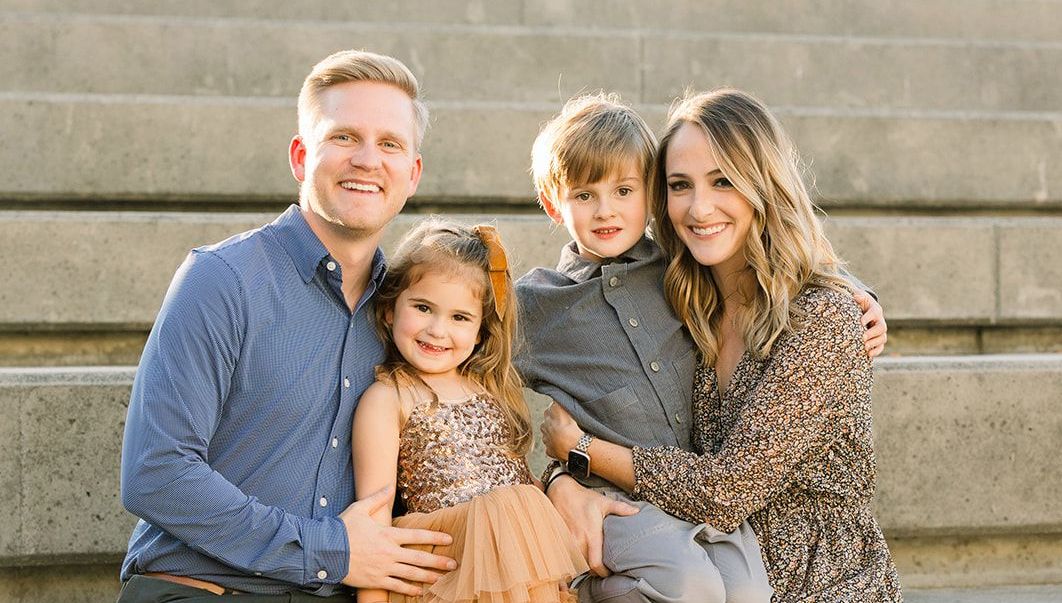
(391, 145)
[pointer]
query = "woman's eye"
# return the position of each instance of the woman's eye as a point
(722, 183)
(678, 185)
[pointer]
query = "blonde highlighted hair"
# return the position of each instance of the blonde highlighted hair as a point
(786, 249)
(593, 136)
(359, 66)
(438, 245)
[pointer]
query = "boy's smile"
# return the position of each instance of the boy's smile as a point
(606, 218)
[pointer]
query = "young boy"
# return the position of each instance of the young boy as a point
(601, 341)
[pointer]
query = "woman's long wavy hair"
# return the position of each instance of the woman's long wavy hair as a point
(786, 248)
(437, 245)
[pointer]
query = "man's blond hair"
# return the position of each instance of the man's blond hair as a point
(594, 136)
(359, 66)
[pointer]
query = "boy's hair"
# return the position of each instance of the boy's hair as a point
(786, 248)
(438, 245)
(592, 137)
(359, 66)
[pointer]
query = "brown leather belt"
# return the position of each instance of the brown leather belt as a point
(217, 589)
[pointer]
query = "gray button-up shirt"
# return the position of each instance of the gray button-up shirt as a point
(601, 340)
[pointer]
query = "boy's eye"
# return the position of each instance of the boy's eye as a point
(584, 196)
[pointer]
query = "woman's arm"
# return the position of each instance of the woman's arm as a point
(375, 450)
(815, 384)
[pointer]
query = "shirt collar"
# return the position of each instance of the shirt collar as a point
(306, 250)
(580, 269)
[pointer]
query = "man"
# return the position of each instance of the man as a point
(237, 445)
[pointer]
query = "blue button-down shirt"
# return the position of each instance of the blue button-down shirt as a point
(237, 443)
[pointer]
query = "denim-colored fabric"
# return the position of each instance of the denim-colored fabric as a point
(237, 443)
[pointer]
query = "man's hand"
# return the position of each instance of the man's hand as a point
(873, 320)
(584, 512)
(377, 559)
(560, 433)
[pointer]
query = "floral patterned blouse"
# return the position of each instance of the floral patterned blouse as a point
(789, 447)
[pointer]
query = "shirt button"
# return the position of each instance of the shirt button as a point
(335, 442)
(678, 419)
(321, 575)
(346, 382)
(655, 366)
(633, 322)
(323, 502)
(612, 282)
(331, 266)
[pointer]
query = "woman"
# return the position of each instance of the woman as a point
(782, 403)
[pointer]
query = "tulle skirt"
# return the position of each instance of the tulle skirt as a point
(510, 544)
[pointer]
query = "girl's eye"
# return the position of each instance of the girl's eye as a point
(722, 183)
(460, 317)
(422, 308)
(624, 191)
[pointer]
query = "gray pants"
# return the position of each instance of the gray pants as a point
(655, 557)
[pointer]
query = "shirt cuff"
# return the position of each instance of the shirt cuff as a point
(326, 551)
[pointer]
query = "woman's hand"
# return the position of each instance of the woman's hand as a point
(873, 320)
(559, 431)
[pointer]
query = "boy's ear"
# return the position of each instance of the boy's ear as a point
(551, 209)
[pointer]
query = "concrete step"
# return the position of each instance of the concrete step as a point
(112, 268)
(99, 148)
(971, 19)
(967, 483)
(237, 57)
(1007, 594)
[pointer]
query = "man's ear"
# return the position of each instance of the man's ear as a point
(551, 209)
(297, 158)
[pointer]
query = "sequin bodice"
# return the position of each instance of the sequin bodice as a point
(451, 452)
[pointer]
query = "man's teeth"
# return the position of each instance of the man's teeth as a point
(711, 230)
(354, 186)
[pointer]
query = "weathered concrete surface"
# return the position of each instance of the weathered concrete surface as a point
(411, 11)
(982, 561)
(236, 57)
(1030, 271)
(968, 441)
(270, 58)
(972, 19)
(164, 148)
(950, 433)
(112, 268)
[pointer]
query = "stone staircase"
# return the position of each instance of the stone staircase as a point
(135, 131)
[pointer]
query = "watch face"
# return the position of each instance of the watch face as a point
(579, 463)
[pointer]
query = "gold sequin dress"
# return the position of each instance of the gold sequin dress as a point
(455, 476)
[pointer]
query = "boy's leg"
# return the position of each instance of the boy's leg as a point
(653, 557)
(738, 559)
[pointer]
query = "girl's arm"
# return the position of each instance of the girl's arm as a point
(815, 388)
(375, 449)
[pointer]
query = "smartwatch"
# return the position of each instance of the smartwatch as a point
(579, 457)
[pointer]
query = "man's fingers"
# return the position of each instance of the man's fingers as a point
(617, 507)
(403, 588)
(416, 536)
(426, 560)
(412, 573)
(593, 555)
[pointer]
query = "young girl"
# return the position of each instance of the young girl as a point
(446, 419)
